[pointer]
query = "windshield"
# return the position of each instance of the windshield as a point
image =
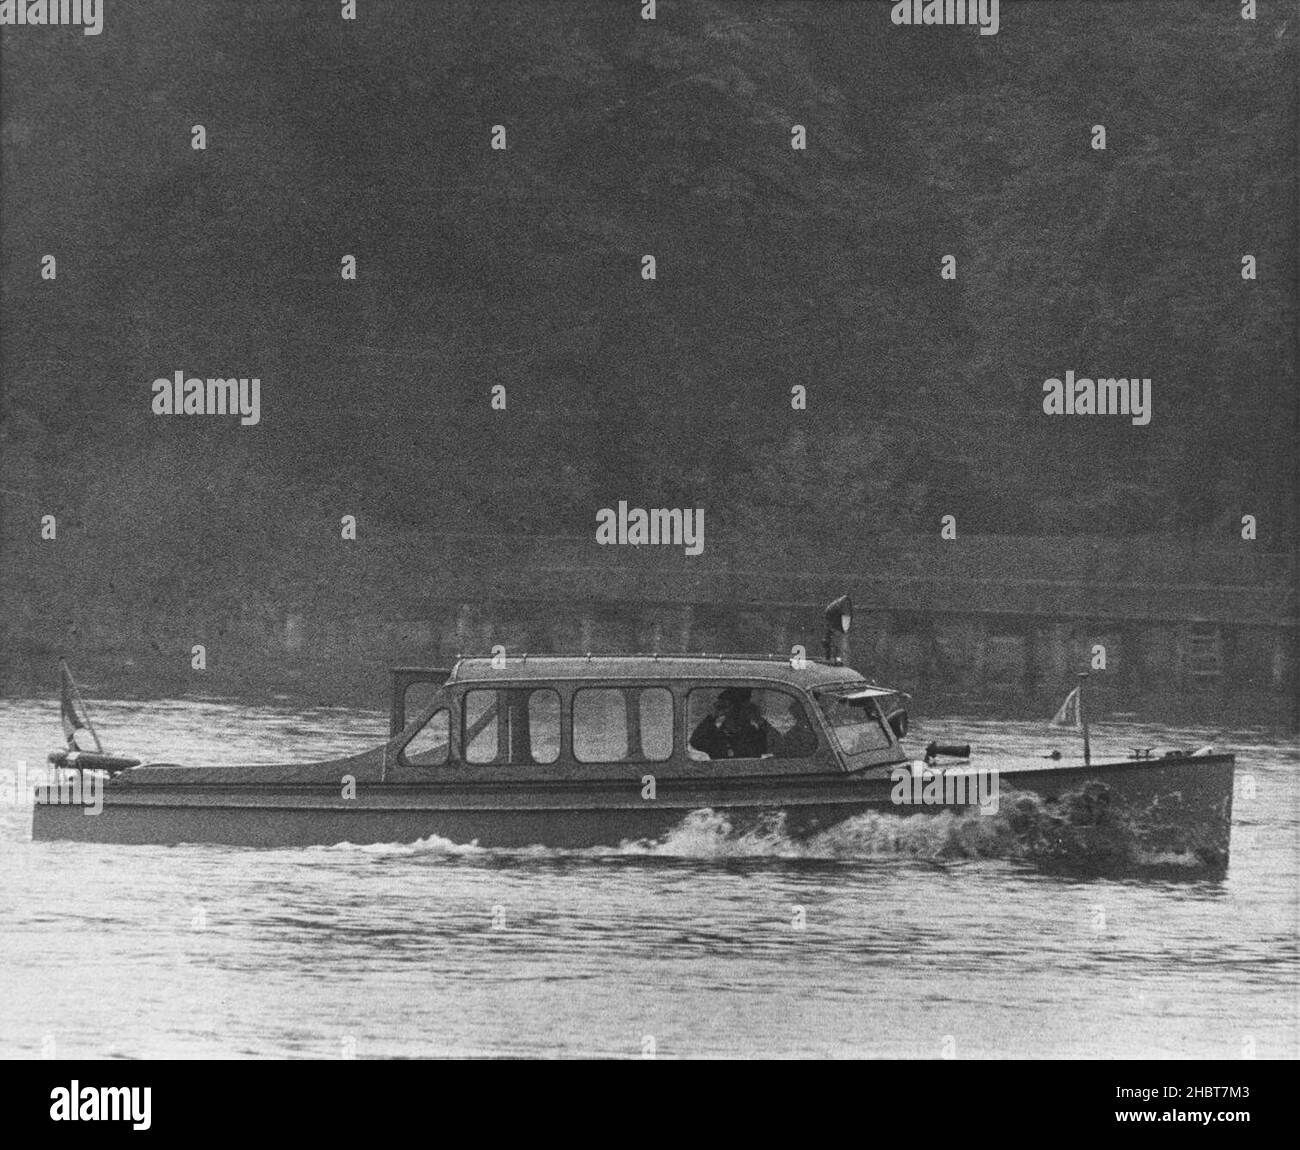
(856, 722)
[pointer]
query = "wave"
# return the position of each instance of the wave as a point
(432, 845)
(1078, 831)
(1026, 828)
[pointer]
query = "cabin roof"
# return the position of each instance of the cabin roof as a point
(696, 668)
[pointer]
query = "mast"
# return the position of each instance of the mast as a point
(1083, 720)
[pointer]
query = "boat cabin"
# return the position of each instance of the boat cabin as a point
(671, 714)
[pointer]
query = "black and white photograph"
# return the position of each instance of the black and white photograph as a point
(649, 530)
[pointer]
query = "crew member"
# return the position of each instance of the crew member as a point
(734, 728)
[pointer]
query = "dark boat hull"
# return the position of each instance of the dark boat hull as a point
(1181, 804)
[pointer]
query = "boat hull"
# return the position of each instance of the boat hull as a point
(1179, 805)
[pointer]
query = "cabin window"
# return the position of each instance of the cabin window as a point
(428, 746)
(736, 722)
(623, 724)
(418, 698)
(856, 723)
(512, 725)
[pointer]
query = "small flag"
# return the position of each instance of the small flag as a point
(72, 721)
(1068, 715)
(68, 709)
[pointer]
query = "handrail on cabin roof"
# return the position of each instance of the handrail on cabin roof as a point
(765, 656)
(588, 656)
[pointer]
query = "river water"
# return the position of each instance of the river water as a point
(891, 940)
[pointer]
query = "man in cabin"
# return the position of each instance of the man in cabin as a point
(799, 740)
(734, 728)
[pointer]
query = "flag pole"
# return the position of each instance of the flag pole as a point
(84, 709)
(1083, 721)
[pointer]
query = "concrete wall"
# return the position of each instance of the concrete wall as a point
(988, 620)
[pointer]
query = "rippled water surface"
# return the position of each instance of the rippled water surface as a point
(888, 939)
